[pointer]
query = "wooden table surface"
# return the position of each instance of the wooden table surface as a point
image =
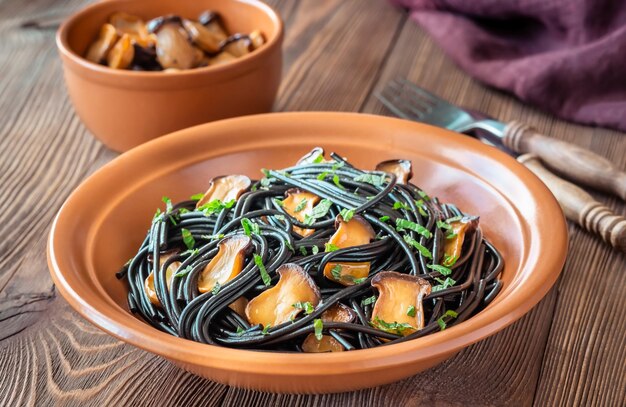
(570, 350)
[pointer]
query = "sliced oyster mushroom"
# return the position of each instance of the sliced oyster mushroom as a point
(203, 37)
(402, 169)
(145, 58)
(336, 313)
(156, 24)
(174, 49)
(257, 39)
(213, 22)
(225, 188)
(456, 236)
(122, 53)
(239, 306)
(99, 49)
(274, 306)
(314, 156)
(298, 204)
(149, 283)
(399, 308)
(356, 232)
(221, 58)
(227, 263)
(237, 45)
(133, 26)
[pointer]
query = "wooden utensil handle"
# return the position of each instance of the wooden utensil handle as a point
(579, 206)
(574, 162)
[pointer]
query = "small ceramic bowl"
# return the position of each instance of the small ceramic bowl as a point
(105, 220)
(125, 108)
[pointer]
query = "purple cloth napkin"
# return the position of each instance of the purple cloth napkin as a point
(564, 56)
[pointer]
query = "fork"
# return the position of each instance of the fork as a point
(585, 167)
(408, 101)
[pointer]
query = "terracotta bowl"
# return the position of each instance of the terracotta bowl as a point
(105, 219)
(125, 108)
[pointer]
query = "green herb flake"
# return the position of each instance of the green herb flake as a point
(400, 205)
(322, 176)
(393, 327)
(404, 224)
(197, 197)
(306, 306)
(376, 180)
(315, 249)
(423, 195)
(318, 159)
(190, 252)
(212, 237)
(443, 284)
(183, 211)
(424, 251)
(215, 206)
(173, 220)
(216, 288)
(289, 245)
(347, 214)
(329, 247)
(188, 239)
(411, 311)
(443, 225)
(157, 214)
(449, 261)
(337, 182)
(240, 331)
(440, 269)
(318, 325)
(451, 236)
(336, 272)
(384, 218)
(266, 329)
(265, 182)
(454, 219)
(301, 205)
(336, 166)
(279, 202)
(420, 207)
(319, 211)
(442, 323)
(183, 272)
(258, 260)
(168, 204)
(369, 300)
(250, 227)
(303, 251)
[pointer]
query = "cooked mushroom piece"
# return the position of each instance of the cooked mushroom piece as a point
(213, 22)
(257, 39)
(227, 263)
(237, 45)
(399, 308)
(174, 49)
(133, 26)
(149, 283)
(402, 169)
(221, 58)
(145, 58)
(313, 156)
(99, 49)
(336, 313)
(157, 23)
(239, 306)
(456, 236)
(356, 232)
(298, 204)
(203, 37)
(275, 305)
(225, 188)
(122, 53)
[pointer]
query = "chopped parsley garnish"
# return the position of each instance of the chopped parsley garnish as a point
(420, 207)
(211, 237)
(173, 220)
(216, 288)
(322, 176)
(384, 218)
(423, 195)
(279, 202)
(376, 180)
(369, 300)
(443, 284)
(319, 211)
(258, 260)
(315, 249)
(449, 313)
(318, 325)
(306, 306)
(337, 182)
(443, 225)
(400, 205)
(336, 272)
(215, 206)
(404, 224)
(266, 329)
(441, 269)
(289, 245)
(240, 331)
(347, 214)
(451, 235)
(393, 327)
(157, 214)
(190, 252)
(301, 205)
(424, 251)
(336, 166)
(196, 197)
(182, 211)
(188, 239)
(250, 227)
(184, 272)
(265, 182)
(318, 159)
(168, 204)
(454, 219)
(411, 311)
(303, 251)
(329, 247)
(449, 261)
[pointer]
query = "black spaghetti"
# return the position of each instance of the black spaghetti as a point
(318, 257)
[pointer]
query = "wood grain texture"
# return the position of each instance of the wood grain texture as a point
(568, 351)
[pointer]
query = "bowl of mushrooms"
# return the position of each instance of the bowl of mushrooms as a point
(139, 69)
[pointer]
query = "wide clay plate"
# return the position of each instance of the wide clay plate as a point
(105, 219)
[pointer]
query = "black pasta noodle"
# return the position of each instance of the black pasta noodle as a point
(206, 317)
